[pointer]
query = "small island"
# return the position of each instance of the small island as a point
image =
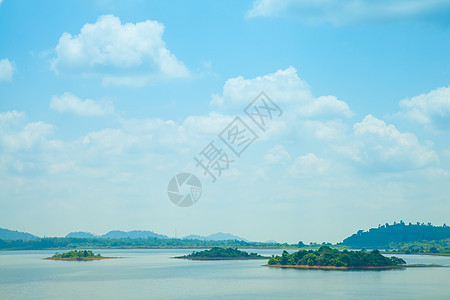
(82, 255)
(218, 253)
(328, 258)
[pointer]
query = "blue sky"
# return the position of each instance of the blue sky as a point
(102, 102)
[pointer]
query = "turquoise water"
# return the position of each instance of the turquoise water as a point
(152, 274)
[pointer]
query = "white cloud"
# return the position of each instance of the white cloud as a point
(432, 109)
(212, 124)
(330, 130)
(70, 103)
(277, 154)
(326, 106)
(121, 54)
(342, 12)
(10, 117)
(308, 165)
(112, 141)
(283, 86)
(16, 134)
(6, 69)
(156, 134)
(286, 89)
(384, 147)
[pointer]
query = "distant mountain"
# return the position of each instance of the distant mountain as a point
(397, 233)
(135, 234)
(81, 235)
(6, 234)
(117, 234)
(219, 236)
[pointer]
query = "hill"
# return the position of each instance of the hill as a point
(81, 235)
(219, 236)
(117, 234)
(6, 234)
(135, 234)
(385, 235)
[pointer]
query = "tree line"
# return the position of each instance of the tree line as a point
(384, 235)
(72, 243)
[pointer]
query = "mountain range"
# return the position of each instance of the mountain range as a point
(6, 234)
(219, 236)
(119, 234)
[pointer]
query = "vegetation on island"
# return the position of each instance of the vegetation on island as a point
(81, 255)
(386, 236)
(439, 247)
(326, 257)
(218, 253)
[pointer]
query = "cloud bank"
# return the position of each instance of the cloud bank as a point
(431, 109)
(344, 12)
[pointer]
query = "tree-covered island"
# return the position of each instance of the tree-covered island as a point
(328, 258)
(82, 255)
(219, 253)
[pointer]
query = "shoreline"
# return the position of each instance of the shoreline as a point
(336, 268)
(357, 268)
(220, 258)
(78, 259)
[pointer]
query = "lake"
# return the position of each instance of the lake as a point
(152, 274)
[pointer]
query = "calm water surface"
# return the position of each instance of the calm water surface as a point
(152, 274)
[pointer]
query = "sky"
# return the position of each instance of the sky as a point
(103, 102)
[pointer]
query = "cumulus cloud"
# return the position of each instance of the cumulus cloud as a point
(285, 88)
(329, 130)
(343, 12)
(308, 165)
(6, 69)
(156, 134)
(383, 146)
(16, 134)
(72, 104)
(277, 154)
(432, 109)
(121, 54)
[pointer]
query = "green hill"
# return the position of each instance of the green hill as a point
(6, 234)
(386, 235)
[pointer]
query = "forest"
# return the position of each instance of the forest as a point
(326, 256)
(387, 234)
(219, 253)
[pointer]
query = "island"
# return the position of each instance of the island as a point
(327, 258)
(219, 253)
(82, 255)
